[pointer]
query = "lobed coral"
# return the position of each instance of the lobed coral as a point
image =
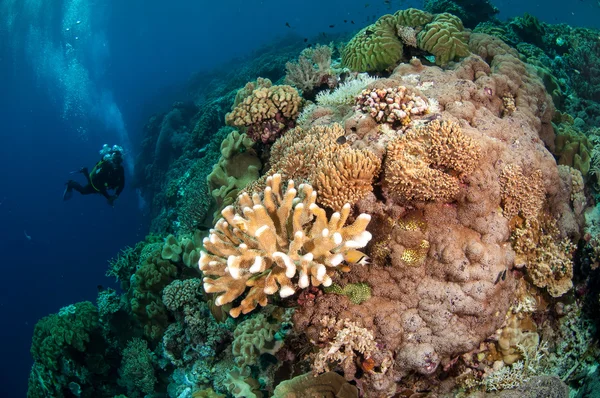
(238, 166)
(444, 37)
(282, 244)
(375, 48)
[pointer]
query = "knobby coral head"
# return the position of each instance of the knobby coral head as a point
(281, 242)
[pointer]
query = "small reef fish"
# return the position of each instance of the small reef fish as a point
(501, 275)
(341, 140)
(332, 26)
(287, 24)
(356, 257)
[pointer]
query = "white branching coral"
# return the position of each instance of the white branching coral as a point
(281, 243)
(346, 92)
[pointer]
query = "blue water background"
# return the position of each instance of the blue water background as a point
(63, 95)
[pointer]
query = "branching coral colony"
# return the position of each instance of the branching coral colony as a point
(280, 242)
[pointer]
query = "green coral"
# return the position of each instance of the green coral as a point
(444, 37)
(375, 48)
(171, 250)
(238, 166)
(573, 148)
(136, 371)
(356, 292)
(62, 351)
(145, 295)
(412, 17)
(55, 333)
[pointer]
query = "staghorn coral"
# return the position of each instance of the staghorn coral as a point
(445, 38)
(282, 244)
(416, 162)
(267, 112)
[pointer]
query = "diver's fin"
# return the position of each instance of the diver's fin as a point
(68, 194)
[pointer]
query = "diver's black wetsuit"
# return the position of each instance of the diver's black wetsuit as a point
(104, 176)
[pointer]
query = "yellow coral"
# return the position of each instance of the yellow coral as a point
(428, 162)
(281, 243)
(345, 176)
(264, 103)
(547, 258)
(340, 174)
(267, 112)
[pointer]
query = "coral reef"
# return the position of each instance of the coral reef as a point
(427, 227)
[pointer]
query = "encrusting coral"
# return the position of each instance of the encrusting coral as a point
(281, 243)
(428, 163)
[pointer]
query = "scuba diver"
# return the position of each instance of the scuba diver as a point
(107, 175)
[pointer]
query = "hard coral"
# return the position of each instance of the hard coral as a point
(520, 194)
(340, 174)
(393, 105)
(312, 69)
(445, 38)
(279, 234)
(547, 257)
(432, 304)
(375, 48)
(267, 112)
(428, 162)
